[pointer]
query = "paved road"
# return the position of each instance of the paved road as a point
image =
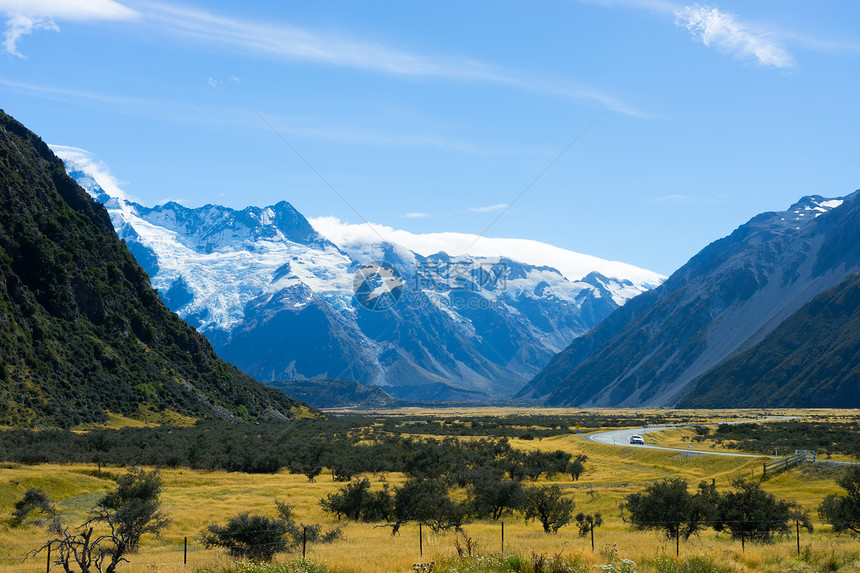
(622, 438)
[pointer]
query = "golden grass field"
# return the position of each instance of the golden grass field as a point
(193, 499)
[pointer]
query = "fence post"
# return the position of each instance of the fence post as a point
(592, 538)
(185, 552)
(797, 524)
(678, 542)
(420, 541)
(503, 537)
(48, 566)
(304, 540)
(743, 541)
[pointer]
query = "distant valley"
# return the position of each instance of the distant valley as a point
(276, 298)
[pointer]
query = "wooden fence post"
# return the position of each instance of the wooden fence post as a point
(304, 540)
(797, 524)
(185, 552)
(503, 537)
(420, 541)
(48, 566)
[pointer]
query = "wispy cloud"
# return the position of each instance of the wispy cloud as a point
(724, 31)
(286, 41)
(18, 26)
(87, 162)
(23, 17)
(682, 199)
(415, 215)
(652, 5)
(489, 208)
(306, 127)
(282, 40)
(673, 198)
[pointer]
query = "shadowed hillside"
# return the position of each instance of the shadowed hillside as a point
(82, 332)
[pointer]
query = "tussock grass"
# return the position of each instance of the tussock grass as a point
(193, 499)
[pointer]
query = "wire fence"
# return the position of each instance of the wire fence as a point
(418, 542)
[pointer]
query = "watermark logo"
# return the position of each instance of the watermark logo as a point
(458, 284)
(377, 285)
(475, 276)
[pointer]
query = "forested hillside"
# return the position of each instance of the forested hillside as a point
(82, 332)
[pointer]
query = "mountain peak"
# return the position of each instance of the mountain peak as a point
(278, 300)
(728, 297)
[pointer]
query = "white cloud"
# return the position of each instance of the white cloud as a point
(18, 26)
(489, 208)
(23, 17)
(415, 215)
(571, 264)
(87, 162)
(724, 31)
(75, 10)
(213, 82)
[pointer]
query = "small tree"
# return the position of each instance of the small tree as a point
(588, 523)
(491, 494)
(426, 501)
(843, 511)
(34, 500)
(577, 466)
(668, 506)
(128, 513)
(750, 513)
(546, 504)
(259, 538)
(355, 501)
(254, 537)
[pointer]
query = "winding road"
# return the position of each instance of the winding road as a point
(622, 437)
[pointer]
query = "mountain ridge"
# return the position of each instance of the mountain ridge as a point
(726, 298)
(281, 304)
(806, 361)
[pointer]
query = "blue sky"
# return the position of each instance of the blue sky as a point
(441, 116)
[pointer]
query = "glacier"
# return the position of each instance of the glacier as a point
(273, 292)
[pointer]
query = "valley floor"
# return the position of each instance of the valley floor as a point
(193, 499)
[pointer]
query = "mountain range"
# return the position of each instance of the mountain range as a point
(766, 316)
(282, 301)
(82, 332)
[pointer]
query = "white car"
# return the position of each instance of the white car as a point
(637, 439)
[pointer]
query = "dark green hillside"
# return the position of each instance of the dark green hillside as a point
(82, 332)
(812, 360)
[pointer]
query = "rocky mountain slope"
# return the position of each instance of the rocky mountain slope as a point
(82, 332)
(808, 361)
(725, 300)
(279, 300)
(322, 393)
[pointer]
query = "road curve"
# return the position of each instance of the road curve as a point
(622, 438)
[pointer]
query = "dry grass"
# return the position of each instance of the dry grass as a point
(194, 499)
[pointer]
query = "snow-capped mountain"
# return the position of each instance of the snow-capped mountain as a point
(282, 300)
(727, 299)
